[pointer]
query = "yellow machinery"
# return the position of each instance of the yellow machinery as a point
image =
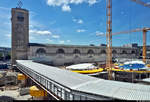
(35, 92)
(88, 71)
(21, 77)
(148, 65)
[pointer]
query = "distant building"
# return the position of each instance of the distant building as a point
(64, 54)
(5, 51)
(102, 44)
(131, 45)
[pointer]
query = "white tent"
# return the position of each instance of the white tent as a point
(82, 66)
(134, 62)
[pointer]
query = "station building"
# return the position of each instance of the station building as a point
(58, 54)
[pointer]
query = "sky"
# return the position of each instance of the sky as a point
(77, 22)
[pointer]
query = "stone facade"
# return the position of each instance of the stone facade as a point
(63, 54)
(20, 33)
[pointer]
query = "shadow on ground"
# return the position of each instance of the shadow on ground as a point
(6, 99)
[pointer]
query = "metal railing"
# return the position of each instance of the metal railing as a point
(59, 90)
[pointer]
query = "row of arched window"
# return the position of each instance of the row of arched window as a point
(76, 51)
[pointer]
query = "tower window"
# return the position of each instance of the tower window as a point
(20, 17)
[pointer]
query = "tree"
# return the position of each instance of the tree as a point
(92, 45)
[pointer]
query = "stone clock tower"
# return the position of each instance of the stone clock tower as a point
(20, 34)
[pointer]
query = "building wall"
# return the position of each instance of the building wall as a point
(20, 33)
(61, 54)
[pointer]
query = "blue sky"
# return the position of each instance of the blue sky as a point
(77, 22)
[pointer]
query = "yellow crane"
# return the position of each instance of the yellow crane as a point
(109, 35)
(141, 3)
(144, 30)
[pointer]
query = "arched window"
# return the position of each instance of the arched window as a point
(76, 51)
(40, 52)
(124, 52)
(132, 52)
(90, 52)
(114, 52)
(60, 51)
(103, 52)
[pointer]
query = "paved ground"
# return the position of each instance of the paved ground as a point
(12, 95)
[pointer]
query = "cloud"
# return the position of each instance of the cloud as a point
(98, 33)
(79, 21)
(68, 41)
(74, 20)
(62, 42)
(4, 8)
(31, 38)
(80, 30)
(34, 24)
(91, 2)
(55, 36)
(66, 8)
(49, 40)
(8, 35)
(77, 1)
(40, 32)
(5, 13)
(65, 4)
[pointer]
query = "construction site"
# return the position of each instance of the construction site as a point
(43, 77)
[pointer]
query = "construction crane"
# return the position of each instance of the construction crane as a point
(144, 30)
(109, 35)
(19, 4)
(109, 38)
(142, 3)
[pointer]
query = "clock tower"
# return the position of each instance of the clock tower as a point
(20, 34)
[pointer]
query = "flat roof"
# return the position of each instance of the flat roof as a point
(64, 77)
(80, 46)
(88, 84)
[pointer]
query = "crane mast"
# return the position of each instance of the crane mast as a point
(144, 45)
(109, 38)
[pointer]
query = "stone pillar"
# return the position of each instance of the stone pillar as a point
(20, 34)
